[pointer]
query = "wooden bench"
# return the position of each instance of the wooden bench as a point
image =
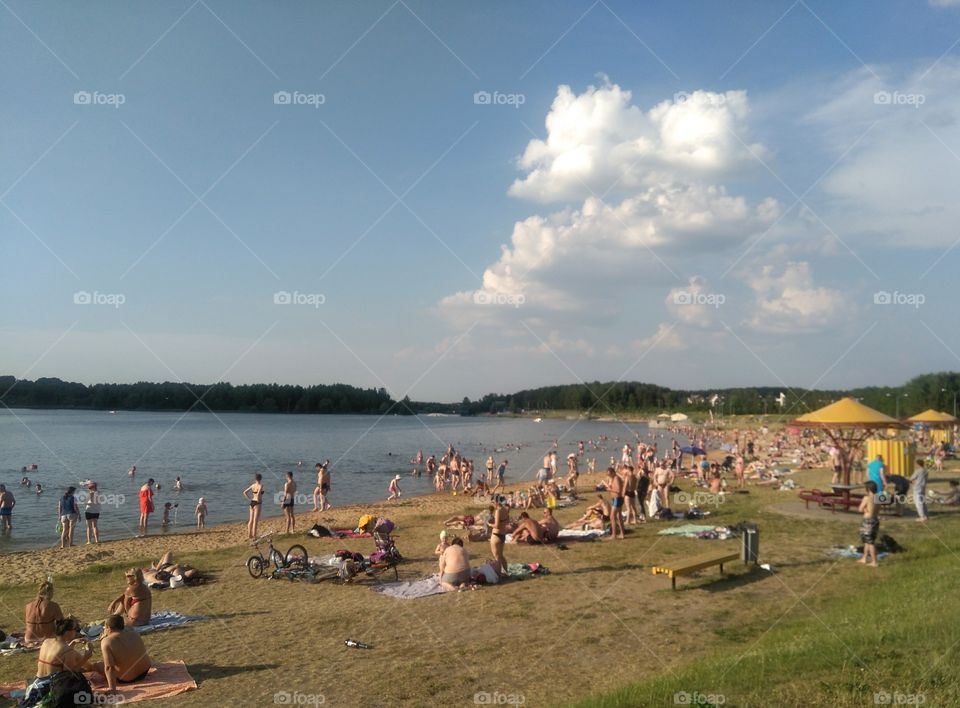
(692, 565)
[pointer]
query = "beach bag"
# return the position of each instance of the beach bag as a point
(489, 573)
(68, 689)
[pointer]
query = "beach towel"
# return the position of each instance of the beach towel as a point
(350, 533)
(411, 589)
(580, 534)
(852, 552)
(165, 619)
(166, 679)
(689, 530)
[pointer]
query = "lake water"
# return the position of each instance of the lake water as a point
(217, 456)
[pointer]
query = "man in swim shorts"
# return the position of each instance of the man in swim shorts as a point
(289, 493)
(870, 525)
(7, 502)
(615, 487)
(125, 658)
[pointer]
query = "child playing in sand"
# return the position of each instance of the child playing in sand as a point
(201, 512)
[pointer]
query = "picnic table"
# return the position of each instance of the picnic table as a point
(844, 491)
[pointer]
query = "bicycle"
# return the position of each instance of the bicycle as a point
(296, 558)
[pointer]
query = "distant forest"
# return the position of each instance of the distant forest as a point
(938, 390)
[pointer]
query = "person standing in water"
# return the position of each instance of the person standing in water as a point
(255, 497)
(146, 505)
(91, 513)
(7, 502)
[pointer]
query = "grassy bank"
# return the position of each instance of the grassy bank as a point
(889, 638)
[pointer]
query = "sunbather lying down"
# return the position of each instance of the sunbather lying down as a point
(161, 571)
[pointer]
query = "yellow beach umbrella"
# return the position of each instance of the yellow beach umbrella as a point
(933, 418)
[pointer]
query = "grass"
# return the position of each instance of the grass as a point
(599, 622)
(890, 637)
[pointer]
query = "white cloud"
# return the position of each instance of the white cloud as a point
(668, 337)
(788, 301)
(945, 3)
(598, 142)
(896, 186)
(695, 303)
(549, 256)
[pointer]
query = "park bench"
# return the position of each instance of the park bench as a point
(692, 565)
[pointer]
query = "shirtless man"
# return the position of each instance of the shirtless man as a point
(870, 525)
(615, 487)
(550, 526)
(498, 534)
(289, 494)
(125, 658)
(7, 502)
(630, 481)
(255, 497)
(544, 474)
(553, 463)
(527, 530)
(454, 566)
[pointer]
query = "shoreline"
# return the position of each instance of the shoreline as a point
(23, 567)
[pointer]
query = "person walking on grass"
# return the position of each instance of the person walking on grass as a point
(870, 525)
(919, 482)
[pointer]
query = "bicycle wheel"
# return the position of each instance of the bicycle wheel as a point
(297, 557)
(255, 566)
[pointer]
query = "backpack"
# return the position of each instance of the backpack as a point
(68, 689)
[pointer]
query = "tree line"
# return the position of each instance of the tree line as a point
(935, 390)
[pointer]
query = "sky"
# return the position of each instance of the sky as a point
(448, 199)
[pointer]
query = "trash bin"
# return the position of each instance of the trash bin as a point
(750, 543)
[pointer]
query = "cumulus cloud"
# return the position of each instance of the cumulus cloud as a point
(599, 142)
(548, 256)
(788, 301)
(695, 303)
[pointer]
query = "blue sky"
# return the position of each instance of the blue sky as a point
(695, 194)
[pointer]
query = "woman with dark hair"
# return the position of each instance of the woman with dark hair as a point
(68, 513)
(255, 497)
(60, 665)
(146, 505)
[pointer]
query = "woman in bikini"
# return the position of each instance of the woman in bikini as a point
(63, 652)
(41, 615)
(255, 497)
(136, 602)
(498, 535)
